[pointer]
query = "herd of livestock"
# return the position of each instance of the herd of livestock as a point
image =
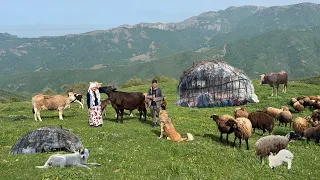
(119, 101)
(242, 123)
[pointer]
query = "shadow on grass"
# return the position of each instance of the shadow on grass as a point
(280, 132)
(54, 117)
(294, 111)
(258, 133)
(217, 139)
(156, 131)
(148, 122)
(113, 119)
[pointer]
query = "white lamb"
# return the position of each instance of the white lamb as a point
(283, 156)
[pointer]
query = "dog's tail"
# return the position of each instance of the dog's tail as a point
(93, 164)
(46, 165)
(42, 167)
(189, 137)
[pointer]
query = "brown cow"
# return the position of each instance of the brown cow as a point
(131, 111)
(125, 100)
(274, 79)
(163, 105)
(55, 102)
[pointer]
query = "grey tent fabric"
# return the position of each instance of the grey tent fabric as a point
(213, 83)
(47, 139)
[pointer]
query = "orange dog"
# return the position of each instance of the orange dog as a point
(167, 126)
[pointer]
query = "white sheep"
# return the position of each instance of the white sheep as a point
(272, 143)
(283, 156)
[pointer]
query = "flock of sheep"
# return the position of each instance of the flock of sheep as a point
(243, 122)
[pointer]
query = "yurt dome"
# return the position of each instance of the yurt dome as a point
(213, 83)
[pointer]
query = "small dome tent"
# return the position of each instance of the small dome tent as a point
(212, 83)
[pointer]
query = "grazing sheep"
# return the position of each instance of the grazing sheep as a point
(284, 108)
(272, 143)
(285, 117)
(309, 133)
(313, 97)
(242, 129)
(273, 112)
(316, 115)
(221, 123)
(241, 112)
(300, 125)
(261, 121)
(283, 156)
(317, 134)
(316, 105)
(301, 101)
(300, 97)
(293, 100)
(298, 107)
(312, 122)
(307, 102)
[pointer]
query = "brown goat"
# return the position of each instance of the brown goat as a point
(221, 123)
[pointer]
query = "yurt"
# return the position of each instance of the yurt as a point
(214, 83)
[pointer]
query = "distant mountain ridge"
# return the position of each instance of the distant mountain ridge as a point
(254, 39)
(294, 51)
(122, 45)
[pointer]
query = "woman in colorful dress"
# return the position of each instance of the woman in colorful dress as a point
(94, 105)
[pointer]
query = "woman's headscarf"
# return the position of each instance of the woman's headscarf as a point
(92, 97)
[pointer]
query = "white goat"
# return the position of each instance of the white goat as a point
(283, 156)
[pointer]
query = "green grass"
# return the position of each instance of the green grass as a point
(134, 150)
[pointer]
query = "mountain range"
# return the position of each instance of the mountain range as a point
(254, 39)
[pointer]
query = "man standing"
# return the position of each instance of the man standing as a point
(155, 97)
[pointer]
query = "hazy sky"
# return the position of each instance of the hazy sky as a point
(34, 18)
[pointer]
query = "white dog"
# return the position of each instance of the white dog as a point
(283, 156)
(76, 159)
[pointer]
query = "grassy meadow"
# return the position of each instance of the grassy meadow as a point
(133, 151)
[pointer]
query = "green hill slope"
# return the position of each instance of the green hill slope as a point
(171, 66)
(12, 96)
(296, 52)
(149, 41)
